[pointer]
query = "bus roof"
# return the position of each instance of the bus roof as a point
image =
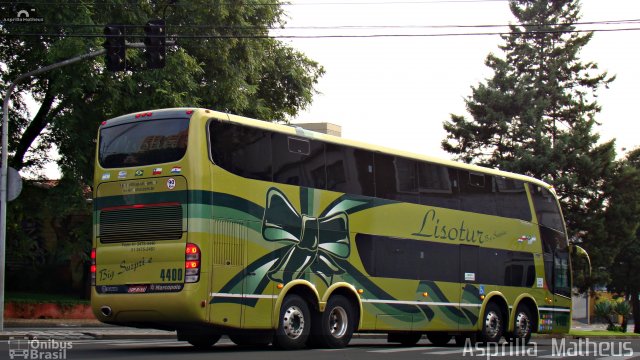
(300, 132)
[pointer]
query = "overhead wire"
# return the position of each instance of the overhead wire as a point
(338, 36)
(349, 27)
(285, 32)
(283, 3)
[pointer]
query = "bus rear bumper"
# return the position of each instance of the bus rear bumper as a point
(164, 311)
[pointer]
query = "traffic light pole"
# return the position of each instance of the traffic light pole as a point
(5, 157)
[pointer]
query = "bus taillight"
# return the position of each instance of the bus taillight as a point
(192, 263)
(144, 114)
(93, 266)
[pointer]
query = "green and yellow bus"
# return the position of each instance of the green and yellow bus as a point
(212, 224)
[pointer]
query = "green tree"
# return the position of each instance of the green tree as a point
(536, 115)
(224, 60)
(623, 217)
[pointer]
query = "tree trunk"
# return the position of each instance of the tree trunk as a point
(33, 130)
(635, 303)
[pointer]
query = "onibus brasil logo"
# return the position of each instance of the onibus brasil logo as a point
(50, 349)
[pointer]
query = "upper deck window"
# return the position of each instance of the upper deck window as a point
(143, 143)
(547, 210)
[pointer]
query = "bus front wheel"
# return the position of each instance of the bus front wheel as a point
(522, 328)
(294, 324)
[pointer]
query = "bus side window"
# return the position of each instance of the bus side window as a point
(562, 274)
(556, 261)
(298, 161)
(349, 170)
(477, 192)
(396, 178)
(511, 199)
(546, 207)
(244, 151)
(406, 174)
(438, 186)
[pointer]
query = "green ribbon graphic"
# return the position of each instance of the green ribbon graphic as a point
(314, 243)
(320, 245)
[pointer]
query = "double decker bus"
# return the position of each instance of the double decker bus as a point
(212, 224)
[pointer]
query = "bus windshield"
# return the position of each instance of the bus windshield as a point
(143, 143)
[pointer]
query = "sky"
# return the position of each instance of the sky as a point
(397, 91)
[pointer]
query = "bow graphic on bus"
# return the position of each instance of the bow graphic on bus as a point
(313, 243)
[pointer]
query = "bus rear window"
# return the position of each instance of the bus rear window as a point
(143, 143)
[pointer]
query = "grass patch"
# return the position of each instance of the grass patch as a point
(596, 333)
(40, 298)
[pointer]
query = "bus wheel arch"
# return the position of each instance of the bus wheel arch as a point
(302, 288)
(350, 294)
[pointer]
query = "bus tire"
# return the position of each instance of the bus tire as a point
(523, 325)
(203, 342)
(294, 324)
(438, 338)
(336, 324)
(492, 324)
(251, 339)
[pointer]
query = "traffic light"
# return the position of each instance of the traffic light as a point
(114, 43)
(155, 39)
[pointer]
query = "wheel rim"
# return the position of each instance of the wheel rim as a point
(293, 322)
(338, 322)
(492, 324)
(523, 325)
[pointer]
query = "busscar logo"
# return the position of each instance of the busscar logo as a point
(25, 348)
(20, 13)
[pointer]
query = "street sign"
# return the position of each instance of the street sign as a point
(14, 184)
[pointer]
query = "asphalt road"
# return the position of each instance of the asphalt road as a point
(359, 349)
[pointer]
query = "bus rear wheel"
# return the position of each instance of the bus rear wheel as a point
(492, 324)
(336, 324)
(294, 324)
(203, 342)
